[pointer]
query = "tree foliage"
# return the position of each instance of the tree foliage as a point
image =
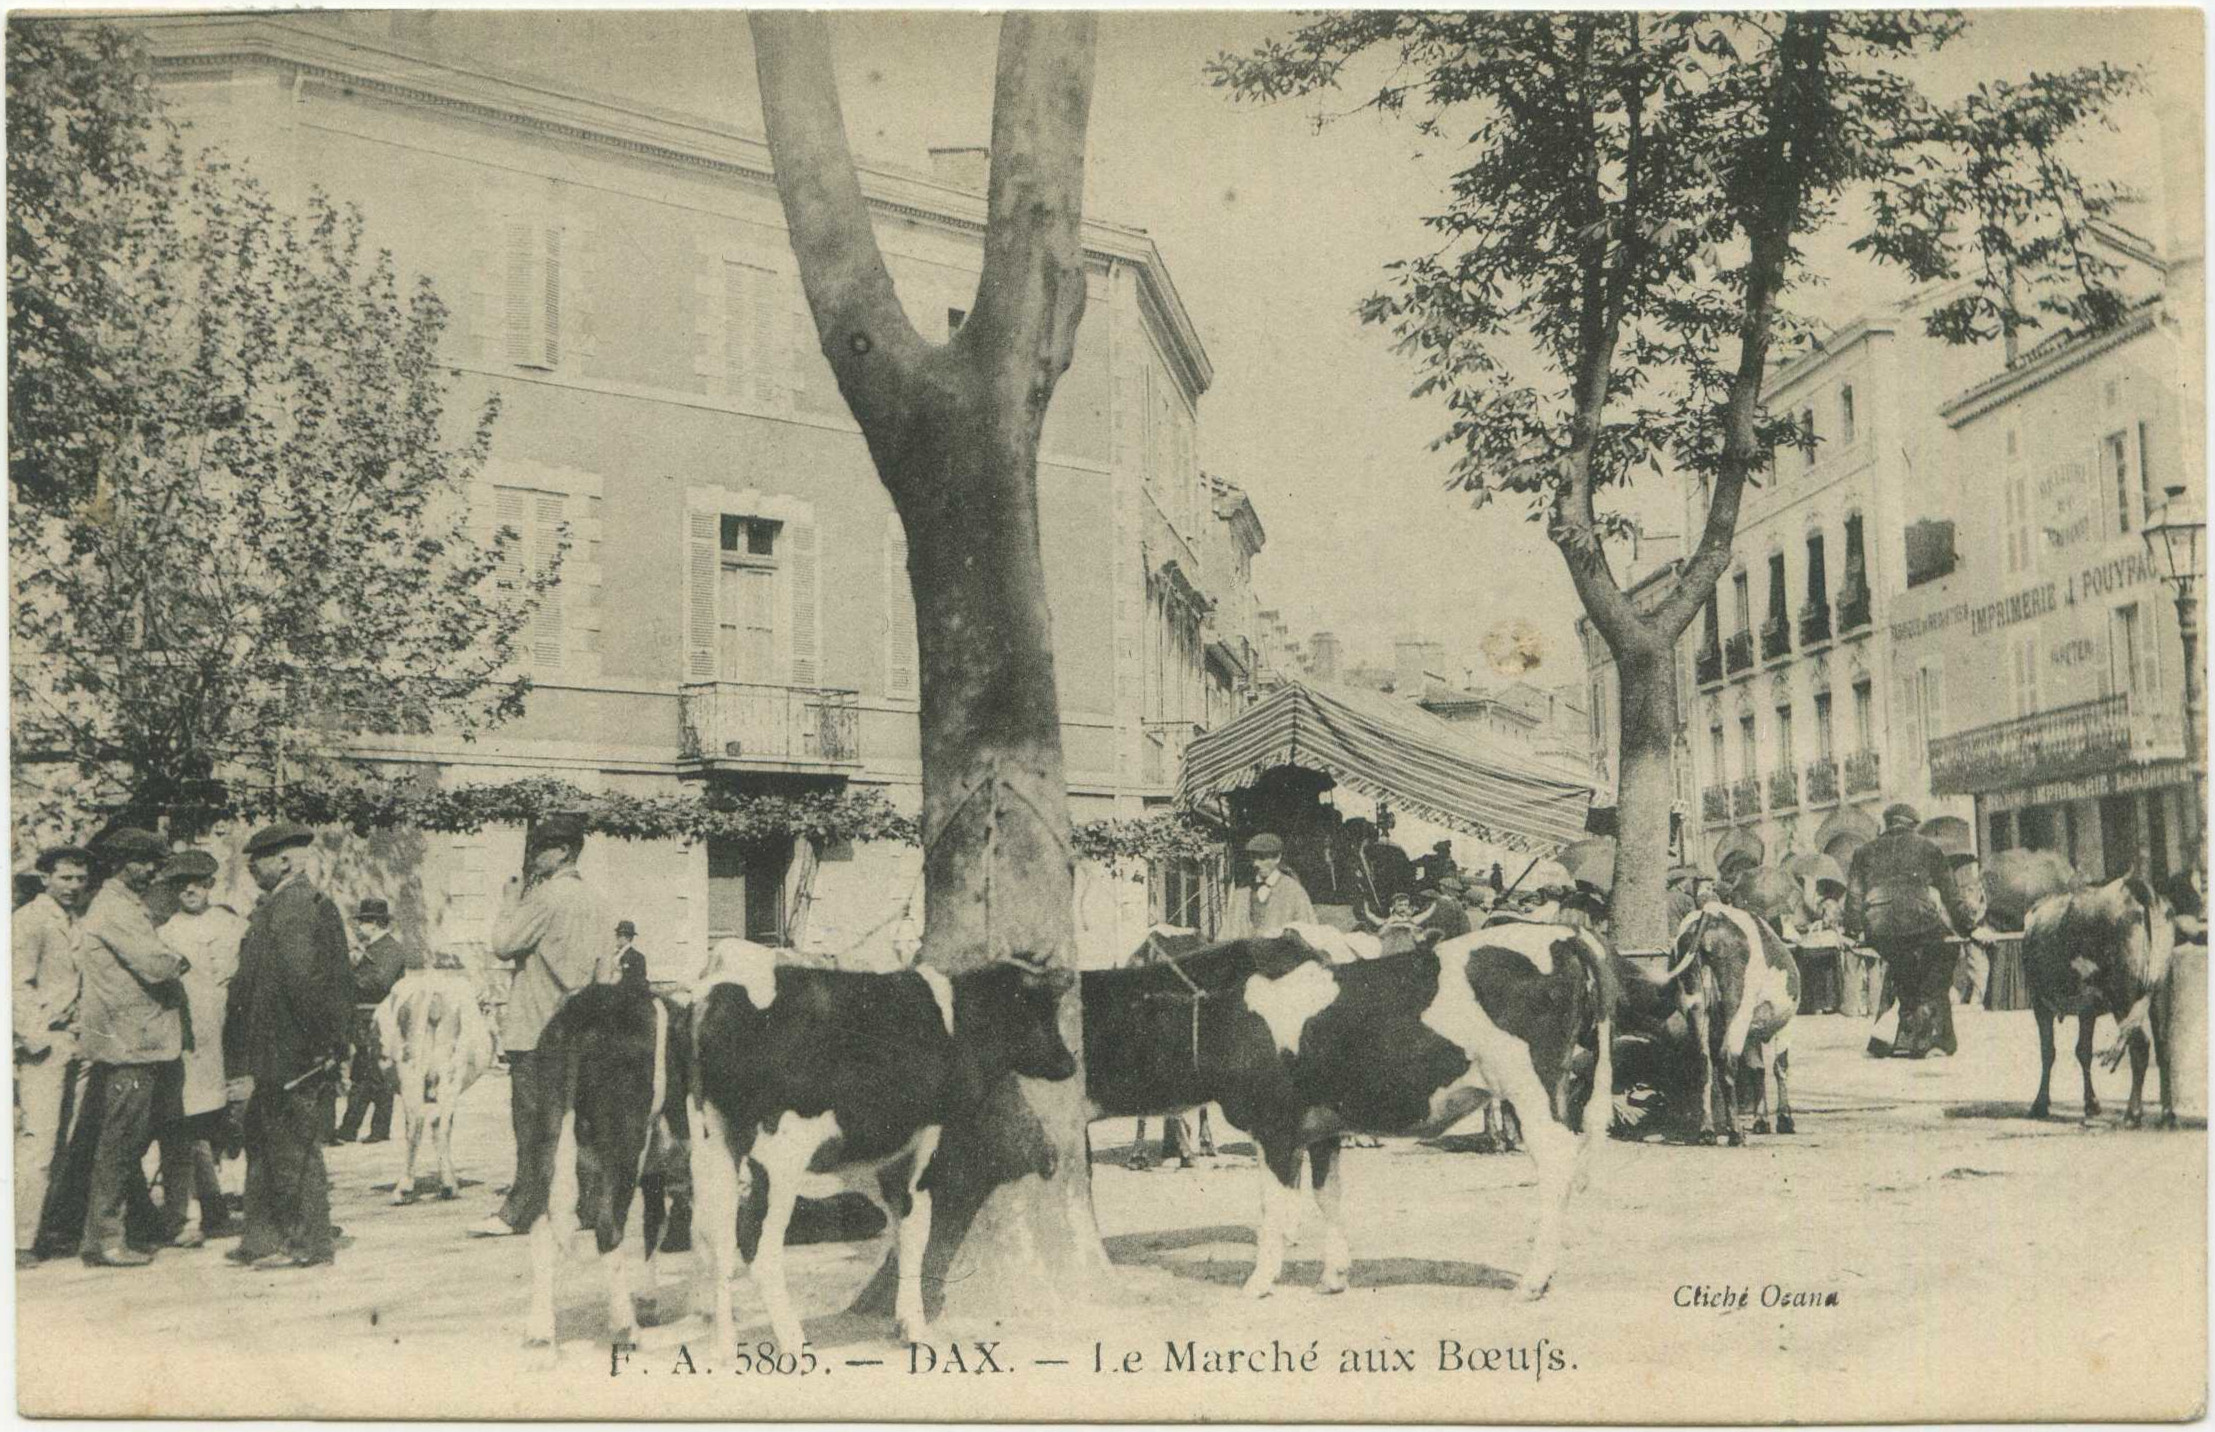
(255, 539)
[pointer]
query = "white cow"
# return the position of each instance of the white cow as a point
(436, 1042)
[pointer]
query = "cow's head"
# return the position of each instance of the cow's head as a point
(1011, 1009)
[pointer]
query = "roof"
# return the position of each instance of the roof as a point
(1391, 750)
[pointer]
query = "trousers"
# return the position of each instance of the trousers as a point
(370, 1094)
(127, 1113)
(288, 1191)
(42, 1087)
(529, 1097)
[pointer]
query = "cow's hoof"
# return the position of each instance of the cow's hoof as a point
(1332, 1283)
(2091, 1108)
(1534, 1288)
(1785, 1125)
(2041, 1109)
(1761, 1126)
(2134, 1119)
(2168, 1120)
(1735, 1139)
(403, 1196)
(448, 1191)
(1255, 1290)
(1705, 1137)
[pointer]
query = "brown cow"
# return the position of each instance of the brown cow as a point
(2105, 950)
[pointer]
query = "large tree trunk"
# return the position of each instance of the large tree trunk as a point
(954, 433)
(1645, 791)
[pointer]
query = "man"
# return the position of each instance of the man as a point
(1432, 871)
(207, 935)
(630, 961)
(377, 968)
(550, 930)
(1902, 900)
(286, 1033)
(1275, 899)
(1684, 895)
(132, 1032)
(47, 940)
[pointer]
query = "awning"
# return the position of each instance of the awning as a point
(1392, 750)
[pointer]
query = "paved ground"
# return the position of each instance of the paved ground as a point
(1982, 1265)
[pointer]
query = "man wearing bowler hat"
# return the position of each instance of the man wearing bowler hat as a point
(131, 1031)
(383, 959)
(1274, 900)
(551, 931)
(47, 940)
(286, 1035)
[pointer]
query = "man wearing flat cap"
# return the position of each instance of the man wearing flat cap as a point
(1274, 900)
(286, 1034)
(47, 941)
(208, 936)
(551, 931)
(131, 1031)
(1902, 900)
(383, 959)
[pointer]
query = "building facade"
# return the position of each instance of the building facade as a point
(734, 611)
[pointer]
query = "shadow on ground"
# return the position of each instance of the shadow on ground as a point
(1157, 1250)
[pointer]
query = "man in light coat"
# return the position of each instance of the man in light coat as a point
(1275, 899)
(208, 936)
(47, 938)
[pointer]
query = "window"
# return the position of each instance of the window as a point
(1749, 750)
(1822, 726)
(752, 611)
(1846, 415)
(531, 317)
(1856, 558)
(2018, 519)
(746, 602)
(1930, 707)
(1865, 735)
(756, 329)
(2115, 464)
(1718, 758)
(536, 520)
(1779, 602)
(1741, 602)
(1714, 627)
(2145, 476)
(2003, 831)
(2133, 657)
(1817, 579)
(2022, 671)
(746, 889)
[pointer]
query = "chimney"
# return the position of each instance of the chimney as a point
(1325, 647)
(965, 166)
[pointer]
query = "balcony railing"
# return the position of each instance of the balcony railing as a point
(2078, 740)
(1853, 607)
(1707, 667)
(1776, 639)
(1814, 624)
(1738, 652)
(1745, 797)
(1715, 804)
(1862, 772)
(1822, 781)
(1784, 789)
(747, 723)
(1162, 765)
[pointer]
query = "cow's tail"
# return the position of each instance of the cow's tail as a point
(561, 1191)
(1608, 996)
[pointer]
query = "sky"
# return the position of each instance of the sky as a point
(1274, 228)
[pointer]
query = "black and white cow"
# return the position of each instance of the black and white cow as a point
(2107, 950)
(815, 1082)
(620, 1082)
(1298, 1051)
(1738, 988)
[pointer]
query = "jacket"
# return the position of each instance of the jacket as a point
(1263, 910)
(132, 1008)
(554, 937)
(379, 969)
(210, 941)
(294, 994)
(48, 941)
(1896, 888)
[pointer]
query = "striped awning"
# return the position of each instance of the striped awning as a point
(1392, 750)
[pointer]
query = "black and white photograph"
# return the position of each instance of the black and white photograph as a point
(1485, 716)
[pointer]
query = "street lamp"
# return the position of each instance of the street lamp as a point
(2174, 545)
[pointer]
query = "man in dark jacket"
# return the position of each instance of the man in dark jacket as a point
(376, 970)
(1902, 901)
(286, 1032)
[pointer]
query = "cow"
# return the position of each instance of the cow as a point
(2104, 950)
(1738, 987)
(814, 1082)
(435, 1042)
(621, 1072)
(1299, 1051)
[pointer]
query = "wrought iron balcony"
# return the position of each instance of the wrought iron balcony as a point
(1715, 804)
(1745, 797)
(1784, 789)
(1863, 772)
(1814, 623)
(1738, 652)
(1776, 639)
(1853, 606)
(1707, 667)
(1822, 781)
(2079, 740)
(744, 725)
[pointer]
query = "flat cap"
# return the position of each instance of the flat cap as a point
(372, 908)
(190, 865)
(1265, 844)
(1901, 815)
(272, 838)
(128, 842)
(560, 828)
(54, 855)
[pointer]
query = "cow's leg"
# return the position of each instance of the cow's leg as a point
(2134, 1111)
(557, 1219)
(1279, 1166)
(411, 1124)
(449, 1183)
(1780, 1068)
(1554, 1149)
(715, 1218)
(1701, 1020)
(2164, 1030)
(768, 1265)
(2085, 1022)
(1327, 1182)
(914, 1233)
(2044, 1015)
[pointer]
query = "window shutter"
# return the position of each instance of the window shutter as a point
(900, 678)
(703, 537)
(546, 622)
(550, 349)
(807, 627)
(517, 325)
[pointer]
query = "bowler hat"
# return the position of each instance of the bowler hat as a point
(272, 838)
(626, 930)
(1265, 844)
(54, 855)
(128, 842)
(560, 828)
(190, 865)
(372, 908)
(1901, 815)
